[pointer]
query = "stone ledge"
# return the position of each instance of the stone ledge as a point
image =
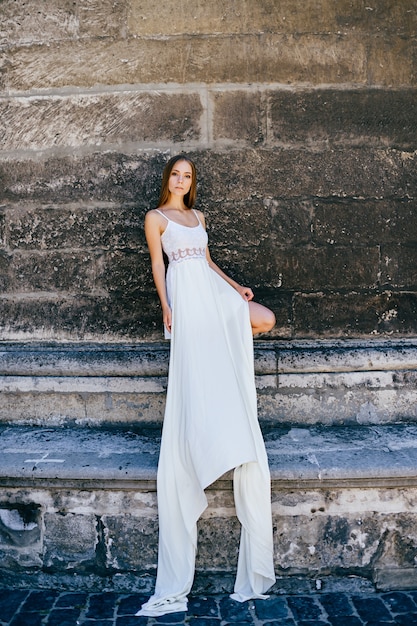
(298, 382)
(151, 359)
(78, 506)
(300, 458)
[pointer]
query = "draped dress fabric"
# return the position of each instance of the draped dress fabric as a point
(210, 426)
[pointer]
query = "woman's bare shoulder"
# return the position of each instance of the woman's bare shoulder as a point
(154, 215)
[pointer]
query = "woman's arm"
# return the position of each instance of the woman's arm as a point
(154, 228)
(245, 292)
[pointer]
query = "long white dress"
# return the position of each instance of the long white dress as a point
(210, 426)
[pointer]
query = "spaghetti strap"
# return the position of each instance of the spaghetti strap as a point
(196, 214)
(163, 215)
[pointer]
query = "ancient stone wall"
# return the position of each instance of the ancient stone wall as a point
(301, 117)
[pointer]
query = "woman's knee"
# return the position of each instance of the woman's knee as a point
(262, 319)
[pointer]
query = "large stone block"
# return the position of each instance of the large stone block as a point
(360, 117)
(308, 269)
(364, 222)
(33, 22)
(70, 272)
(391, 61)
(399, 265)
(43, 122)
(353, 172)
(129, 542)
(101, 176)
(81, 226)
(386, 16)
(199, 17)
(110, 176)
(236, 58)
(354, 314)
(239, 116)
(70, 541)
(79, 317)
(337, 528)
(102, 18)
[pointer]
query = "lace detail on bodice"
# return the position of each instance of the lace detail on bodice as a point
(186, 253)
(181, 243)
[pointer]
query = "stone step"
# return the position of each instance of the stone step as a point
(78, 506)
(298, 382)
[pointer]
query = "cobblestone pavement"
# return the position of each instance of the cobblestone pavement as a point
(55, 608)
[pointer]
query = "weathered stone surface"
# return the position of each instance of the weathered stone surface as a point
(285, 174)
(227, 17)
(391, 61)
(30, 22)
(39, 122)
(97, 177)
(343, 503)
(288, 173)
(239, 116)
(369, 222)
(354, 314)
(360, 117)
(129, 542)
(71, 272)
(267, 16)
(399, 265)
(79, 317)
(237, 58)
(85, 226)
(81, 359)
(102, 18)
(306, 383)
(19, 526)
(306, 269)
(70, 541)
(386, 16)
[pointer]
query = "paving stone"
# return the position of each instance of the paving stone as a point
(410, 619)
(233, 611)
(203, 607)
(10, 602)
(304, 607)
(172, 618)
(102, 606)
(71, 600)
(337, 604)
(371, 609)
(27, 619)
(39, 601)
(130, 604)
(131, 620)
(273, 608)
(98, 622)
(63, 617)
(345, 620)
(52, 608)
(399, 602)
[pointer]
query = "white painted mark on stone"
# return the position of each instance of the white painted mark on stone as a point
(44, 459)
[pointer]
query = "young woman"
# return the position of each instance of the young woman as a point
(210, 423)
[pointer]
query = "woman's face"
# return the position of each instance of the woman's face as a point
(180, 178)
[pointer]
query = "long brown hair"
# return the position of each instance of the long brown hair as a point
(191, 196)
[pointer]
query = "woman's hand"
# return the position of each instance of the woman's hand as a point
(245, 292)
(167, 317)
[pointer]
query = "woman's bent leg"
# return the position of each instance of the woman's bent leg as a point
(262, 319)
